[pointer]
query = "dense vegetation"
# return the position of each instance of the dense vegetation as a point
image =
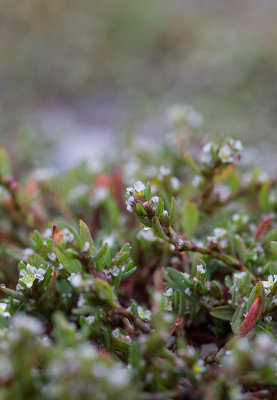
(150, 277)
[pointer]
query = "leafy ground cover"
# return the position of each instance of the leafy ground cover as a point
(150, 277)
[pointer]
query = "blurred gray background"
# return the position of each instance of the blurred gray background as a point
(75, 75)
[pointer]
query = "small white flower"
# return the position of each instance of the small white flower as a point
(239, 275)
(179, 114)
(262, 177)
(188, 291)
(77, 191)
(116, 333)
(268, 318)
(225, 154)
(75, 280)
(185, 275)
(236, 144)
(200, 269)
(130, 203)
(139, 186)
(155, 199)
(3, 311)
(115, 270)
(197, 180)
(68, 236)
(25, 322)
(235, 217)
(28, 275)
(109, 240)
(27, 253)
(86, 246)
(219, 232)
(90, 319)
(207, 147)
(130, 190)
(144, 314)
(168, 306)
(52, 256)
(164, 171)
(175, 183)
(40, 272)
(118, 377)
(169, 292)
(47, 233)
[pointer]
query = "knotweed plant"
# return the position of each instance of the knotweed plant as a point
(151, 278)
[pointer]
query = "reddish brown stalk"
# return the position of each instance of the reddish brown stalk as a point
(263, 225)
(178, 322)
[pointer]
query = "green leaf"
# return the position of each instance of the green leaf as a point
(159, 208)
(71, 265)
(222, 312)
(190, 219)
(245, 284)
(264, 194)
(240, 248)
(108, 257)
(85, 235)
(144, 221)
(12, 293)
(190, 161)
(126, 248)
(5, 166)
(140, 209)
(179, 278)
(99, 253)
(147, 192)
(157, 229)
(105, 292)
(257, 291)
(172, 211)
(237, 319)
(273, 247)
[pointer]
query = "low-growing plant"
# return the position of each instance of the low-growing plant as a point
(168, 290)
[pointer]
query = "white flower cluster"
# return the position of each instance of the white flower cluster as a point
(77, 191)
(269, 283)
(226, 153)
(131, 192)
(181, 114)
(219, 237)
(229, 150)
(243, 219)
(27, 253)
(163, 171)
(68, 236)
(29, 274)
(23, 322)
(99, 194)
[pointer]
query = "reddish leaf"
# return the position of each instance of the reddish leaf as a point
(263, 225)
(251, 318)
(57, 234)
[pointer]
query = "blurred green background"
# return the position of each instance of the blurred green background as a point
(74, 74)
